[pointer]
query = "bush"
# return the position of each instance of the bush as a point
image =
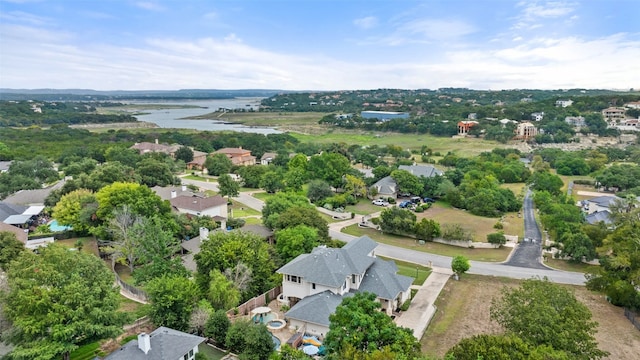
(497, 238)
(419, 209)
(235, 223)
(405, 305)
(498, 226)
(391, 200)
(456, 232)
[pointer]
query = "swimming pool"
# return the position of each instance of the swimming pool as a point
(264, 318)
(276, 342)
(55, 227)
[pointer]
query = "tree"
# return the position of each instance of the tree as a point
(427, 229)
(142, 200)
(199, 318)
(502, 347)
(77, 209)
(157, 249)
(228, 186)
(154, 172)
(222, 294)
(294, 179)
(407, 182)
(278, 204)
(272, 181)
(304, 215)
(172, 301)
(217, 326)
(497, 239)
(59, 299)
(330, 167)
(185, 154)
(546, 181)
(125, 244)
(358, 322)
(293, 241)
(460, 265)
(218, 164)
(318, 190)
(355, 186)
(250, 341)
(10, 248)
(223, 250)
(251, 175)
(543, 313)
(397, 221)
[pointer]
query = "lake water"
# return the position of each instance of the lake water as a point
(173, 118)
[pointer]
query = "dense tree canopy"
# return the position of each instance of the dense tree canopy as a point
(59, 299)
(10, 248)
(173, 298)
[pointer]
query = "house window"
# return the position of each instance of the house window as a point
(186, 357)
(353, 278)
(191, 353)
(313, 286)
(295, 279)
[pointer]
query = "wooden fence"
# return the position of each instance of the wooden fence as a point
(260, 300)
(633, 317)
(131, 291)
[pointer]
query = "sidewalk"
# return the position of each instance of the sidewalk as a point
(422, 307)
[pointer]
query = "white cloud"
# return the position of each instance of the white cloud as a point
(534, 12)
(212, 15)
(22, 17)
(437, 29)
(366, 22)
(149, 5)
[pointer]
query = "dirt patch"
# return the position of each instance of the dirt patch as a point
(112, 345)
(463, 311)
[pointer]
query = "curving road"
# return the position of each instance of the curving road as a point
(427, 259)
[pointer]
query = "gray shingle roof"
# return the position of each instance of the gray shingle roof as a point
(599, 216)
(382, 280)
(7, 210)
(386, 186)
(331, 266)
(196, 203)
(165, 192)
(316, 308)
(421, 170)
(166, 344)
(604, 201)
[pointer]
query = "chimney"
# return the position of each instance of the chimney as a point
(204, 233)
(173, 194)
(184, 187)
(156, 141)
(144, 342)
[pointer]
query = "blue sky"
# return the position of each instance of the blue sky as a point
(319, 45)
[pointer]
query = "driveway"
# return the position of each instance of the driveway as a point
(528, 253)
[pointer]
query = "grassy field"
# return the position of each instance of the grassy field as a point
(570, 266)
(210, 352)
(89, 244)
(463, 311)
(266, 118)
(491, 255)
(240, 210)
(417, 272)
(363, 207)
(479, 226)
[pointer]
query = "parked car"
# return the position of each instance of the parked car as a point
(380, 202)
(405, 195)
(405, 204)
(428, 200)
(416, 200)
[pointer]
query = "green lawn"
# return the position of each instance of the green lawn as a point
(241, 210)
(86, 352)
(363, 207)
(264, 196)
(570, 266)
(89, 244)
(195, 177)
(490, 255)
(417, 272)
(253, 221)
(210, 352)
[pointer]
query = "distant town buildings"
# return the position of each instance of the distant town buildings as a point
(526, 130)
(537, 116)
(564, 103)
(613, 115)
(238, 156)
(464, 126)
(576, 121)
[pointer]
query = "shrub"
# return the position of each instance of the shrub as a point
(405, 305)
(391, 200)
(235, 223)
(498, 226)
(497, 238)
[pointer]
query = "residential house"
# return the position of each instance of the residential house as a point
(537, 116)
(600, 203)
(314, 284)
(633, 105)
(238, 156)
(147, 147)
(464, 126)
(197, 163)
(214, 206)
(172, 192)
(267, 158)
(21, 234)
(162, 344)
(386, 187)
(526, 130)
(34, 197)
(4, 166)
(421, 170)
(576, 121)
(7, 210)
(603, 216)
(613, 115)
(564, 103)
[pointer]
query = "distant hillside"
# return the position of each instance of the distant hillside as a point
(95, 95)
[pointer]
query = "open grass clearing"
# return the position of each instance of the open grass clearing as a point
(264, 196)
(240, 210)
(489, 255)
(479, 226)
(265, 118)
(464, 147)
(89, 244)
(363, 207)
(210, 352)
(125, 274)
(570, 266)
(252, 221)
(195, 177)
(463, 311)
(517, 188)
(417, 272)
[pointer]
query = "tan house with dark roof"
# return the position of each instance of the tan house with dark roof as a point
(197, 163)
(238, 156)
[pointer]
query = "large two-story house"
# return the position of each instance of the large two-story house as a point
(314, 284)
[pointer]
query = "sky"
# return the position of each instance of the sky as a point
(319, 44)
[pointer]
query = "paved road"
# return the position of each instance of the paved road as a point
(528, 253)
(427, 259)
